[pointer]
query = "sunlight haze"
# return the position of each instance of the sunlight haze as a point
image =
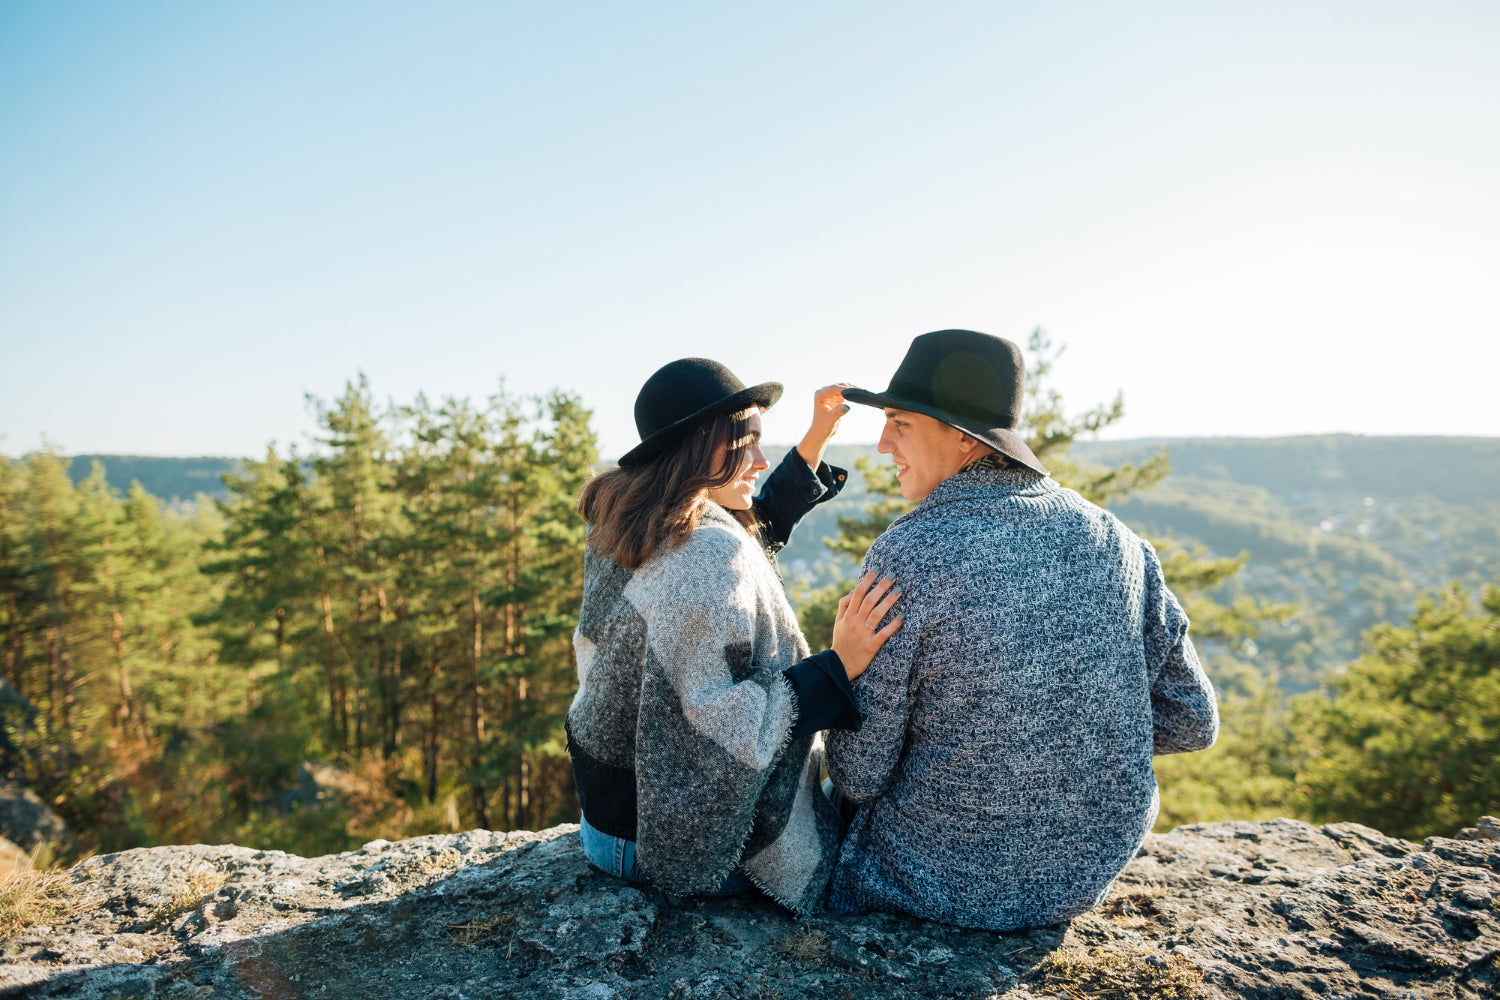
(1251, 219)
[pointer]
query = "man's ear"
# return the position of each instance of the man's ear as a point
(966, 444)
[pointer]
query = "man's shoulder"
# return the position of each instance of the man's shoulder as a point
(911, 533)
(1061, 509)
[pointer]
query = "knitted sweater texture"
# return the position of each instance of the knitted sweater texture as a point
(1003, 770)
(680, 671)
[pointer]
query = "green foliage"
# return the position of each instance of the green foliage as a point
(370, 640)
(1407, 739)
(416, 584)
(99, 595)
(1248, 774)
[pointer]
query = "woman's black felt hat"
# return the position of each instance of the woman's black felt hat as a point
(968, 380)
(685, 393)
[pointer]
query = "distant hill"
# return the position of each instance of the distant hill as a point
(168, 478)
(1456, 469)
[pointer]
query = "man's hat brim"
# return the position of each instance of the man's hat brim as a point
(764, 396)
(1003, 439)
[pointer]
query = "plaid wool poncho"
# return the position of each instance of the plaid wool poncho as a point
(682, 692)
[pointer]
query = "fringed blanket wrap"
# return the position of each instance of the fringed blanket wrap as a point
(680, 678)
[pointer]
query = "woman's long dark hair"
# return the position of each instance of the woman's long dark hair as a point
(635, 511)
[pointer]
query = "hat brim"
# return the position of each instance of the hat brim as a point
(764, 396)
(1003, 439)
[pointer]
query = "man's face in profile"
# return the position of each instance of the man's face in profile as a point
(926, 451)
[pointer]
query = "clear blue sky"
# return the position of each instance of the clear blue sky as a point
(1256, 218)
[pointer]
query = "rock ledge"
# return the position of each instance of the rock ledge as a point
(1275, 909)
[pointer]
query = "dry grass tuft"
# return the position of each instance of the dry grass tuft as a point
(1103, 974)
(34, 896)
(464, 935)
(1405, 892)
(201, 884)
(805, 945)
(440, 861)
(1132, 907)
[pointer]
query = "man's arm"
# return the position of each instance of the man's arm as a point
(1184, 713)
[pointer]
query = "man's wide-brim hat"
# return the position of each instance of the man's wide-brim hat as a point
(968, 380)
(686, 393)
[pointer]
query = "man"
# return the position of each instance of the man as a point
(1002, 773)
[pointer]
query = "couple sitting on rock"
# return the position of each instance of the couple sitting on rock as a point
(998, 680)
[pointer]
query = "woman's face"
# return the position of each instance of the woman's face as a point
(739, 492)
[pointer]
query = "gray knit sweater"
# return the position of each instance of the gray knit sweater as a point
(1003, 770)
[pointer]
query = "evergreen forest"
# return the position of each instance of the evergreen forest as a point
(371, 638)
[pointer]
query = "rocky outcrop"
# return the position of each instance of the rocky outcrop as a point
(26, 820)
(1276, 909)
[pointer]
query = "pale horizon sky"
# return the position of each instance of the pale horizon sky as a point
(1249, 218)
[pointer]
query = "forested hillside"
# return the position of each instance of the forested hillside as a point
(370, 639)
(170, 479)
(1346, 530)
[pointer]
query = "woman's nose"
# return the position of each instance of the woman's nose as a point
(758, 459)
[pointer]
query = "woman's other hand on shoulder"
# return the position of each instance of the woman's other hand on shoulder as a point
(857, 632)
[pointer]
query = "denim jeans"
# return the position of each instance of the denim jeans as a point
(613, 855)
(616, 856)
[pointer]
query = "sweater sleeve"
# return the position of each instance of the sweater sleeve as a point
(1184, 712)
(824, 698)
(789, 492)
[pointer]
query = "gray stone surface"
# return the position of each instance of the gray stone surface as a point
(1276, 909)
(27, 821)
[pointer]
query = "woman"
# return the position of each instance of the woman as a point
(692, 730)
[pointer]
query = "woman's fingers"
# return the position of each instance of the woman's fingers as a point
(828, 403)
(871, 599)
(857, 632)
(857, 595)
(883, 608)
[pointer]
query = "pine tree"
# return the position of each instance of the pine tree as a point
(1407, 738)
(357, 529)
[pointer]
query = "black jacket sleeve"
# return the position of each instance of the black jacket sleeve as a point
(790, 491)
(824, 699)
